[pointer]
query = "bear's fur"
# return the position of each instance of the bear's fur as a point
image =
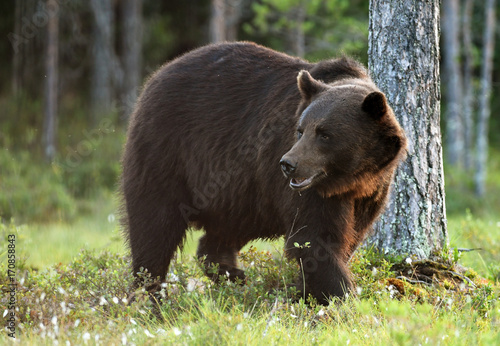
(204, 148)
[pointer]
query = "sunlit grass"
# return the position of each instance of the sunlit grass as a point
(45, 244)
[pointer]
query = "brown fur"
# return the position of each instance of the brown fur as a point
(204, 148)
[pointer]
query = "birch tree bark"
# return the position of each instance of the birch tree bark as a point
(404, 62)
(51, 85)
(453, 83)
(484, 100)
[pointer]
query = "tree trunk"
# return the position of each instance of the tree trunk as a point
(132, 49)
(404, 62)
(16, 56)
(103, 58)
(51, 69)
(296, 32)
(218, 21)
(468, 99)
(484, 99)
(452, 76)
(232, 14)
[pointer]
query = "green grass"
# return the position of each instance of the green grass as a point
(483, 235)
(84, 302)
(46, 244)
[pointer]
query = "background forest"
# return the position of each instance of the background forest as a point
(72, 70)
(106, 49)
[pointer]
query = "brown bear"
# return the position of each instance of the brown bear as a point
(211, 137)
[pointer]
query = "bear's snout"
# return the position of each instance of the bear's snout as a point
(287, 167)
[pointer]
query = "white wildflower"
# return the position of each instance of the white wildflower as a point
(177, 331)
(172, 277)
(86, 337)
(103, 301)
(408, 260)
(148, 333)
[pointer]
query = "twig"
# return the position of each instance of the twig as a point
(273, 310)
(463, 277)
(413, 281)
(460, 249)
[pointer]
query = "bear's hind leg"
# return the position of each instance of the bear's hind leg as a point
(215, 251)
(156, 230)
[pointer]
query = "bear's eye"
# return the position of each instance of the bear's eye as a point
(324, 136)
(299, 134)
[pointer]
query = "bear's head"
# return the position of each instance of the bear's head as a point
(347, 138)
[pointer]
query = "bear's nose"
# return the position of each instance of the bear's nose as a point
(287, 167)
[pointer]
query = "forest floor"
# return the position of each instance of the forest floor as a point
(73, 283)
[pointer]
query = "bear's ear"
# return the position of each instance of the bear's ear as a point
(375, 104)
(308, 86)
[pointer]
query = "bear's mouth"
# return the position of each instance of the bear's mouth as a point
(301, 184)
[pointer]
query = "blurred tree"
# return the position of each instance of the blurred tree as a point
(484, 97)
(224, 20)
(51, 80)
(218, 21)
(101, 91)
(468, 82)
(131, 34)
(296, 31)
(453, 82)
(27, 40)
(105, 65)
(404, 62)
(233, 15)
(16, 63)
